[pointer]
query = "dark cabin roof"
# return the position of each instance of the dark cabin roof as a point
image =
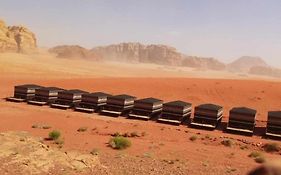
(178, 103)
(123, 97)
(149, 100)
(29, 86)
(52, 89)
(75, 91)
(209, 106)
(98, 94)
(243, 110)
(276, 114)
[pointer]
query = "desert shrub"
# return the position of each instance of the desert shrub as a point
(243, 147)
(95, 152)
(54, 135)
(255, 154)
(119, 142)
(82, 129)
(227, 142)
(271, 147)
(260, 159)
(193, 138)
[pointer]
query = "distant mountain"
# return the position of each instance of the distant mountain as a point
(138, 53)
(265, 71)
(203, 63)
(245, 63)
(73, 51)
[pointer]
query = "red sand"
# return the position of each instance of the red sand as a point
(161, 141)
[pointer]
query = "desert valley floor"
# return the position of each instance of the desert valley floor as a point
(160, 148)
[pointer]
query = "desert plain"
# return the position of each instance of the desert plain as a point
(157, 148)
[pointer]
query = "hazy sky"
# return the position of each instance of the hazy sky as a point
(225, 29)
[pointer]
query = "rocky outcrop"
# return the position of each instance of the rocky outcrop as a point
(16, 38)
(245, 63)
(265, 71)
(136, 52)
(203, 63)
(73, 51)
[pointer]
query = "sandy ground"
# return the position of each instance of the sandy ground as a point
(161, 149)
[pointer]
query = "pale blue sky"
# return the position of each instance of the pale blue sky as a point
(225, 29)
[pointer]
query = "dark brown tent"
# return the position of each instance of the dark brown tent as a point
(24, 92)
(68, 98)
(273, 127)
(118, 104)
(175, 112)
(92, 102)
(242, 120)
(46, 95)
(146, 108)
(207, 116)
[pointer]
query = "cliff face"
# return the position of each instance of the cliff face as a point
(73, 51)
(16, 38)
(136, 52)
(203, 63)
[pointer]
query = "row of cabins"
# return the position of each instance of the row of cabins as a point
(241, 119)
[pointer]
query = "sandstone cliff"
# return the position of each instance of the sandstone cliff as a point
(73, 51)
(136, 52)
(203, 63)
(16, 38)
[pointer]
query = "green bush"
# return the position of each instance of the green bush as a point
(119, 142)
(54, 135)
(271, 147)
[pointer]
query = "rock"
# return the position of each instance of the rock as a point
(202, 63)
(16, 39)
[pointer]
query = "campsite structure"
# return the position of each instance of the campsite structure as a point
(92, 102)
(45, 95)
(68, 98)
(242, 120)
(175, 112)
(207, 116)
(118, 105)
(146, 108)
(24, 92)
(273, 128)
